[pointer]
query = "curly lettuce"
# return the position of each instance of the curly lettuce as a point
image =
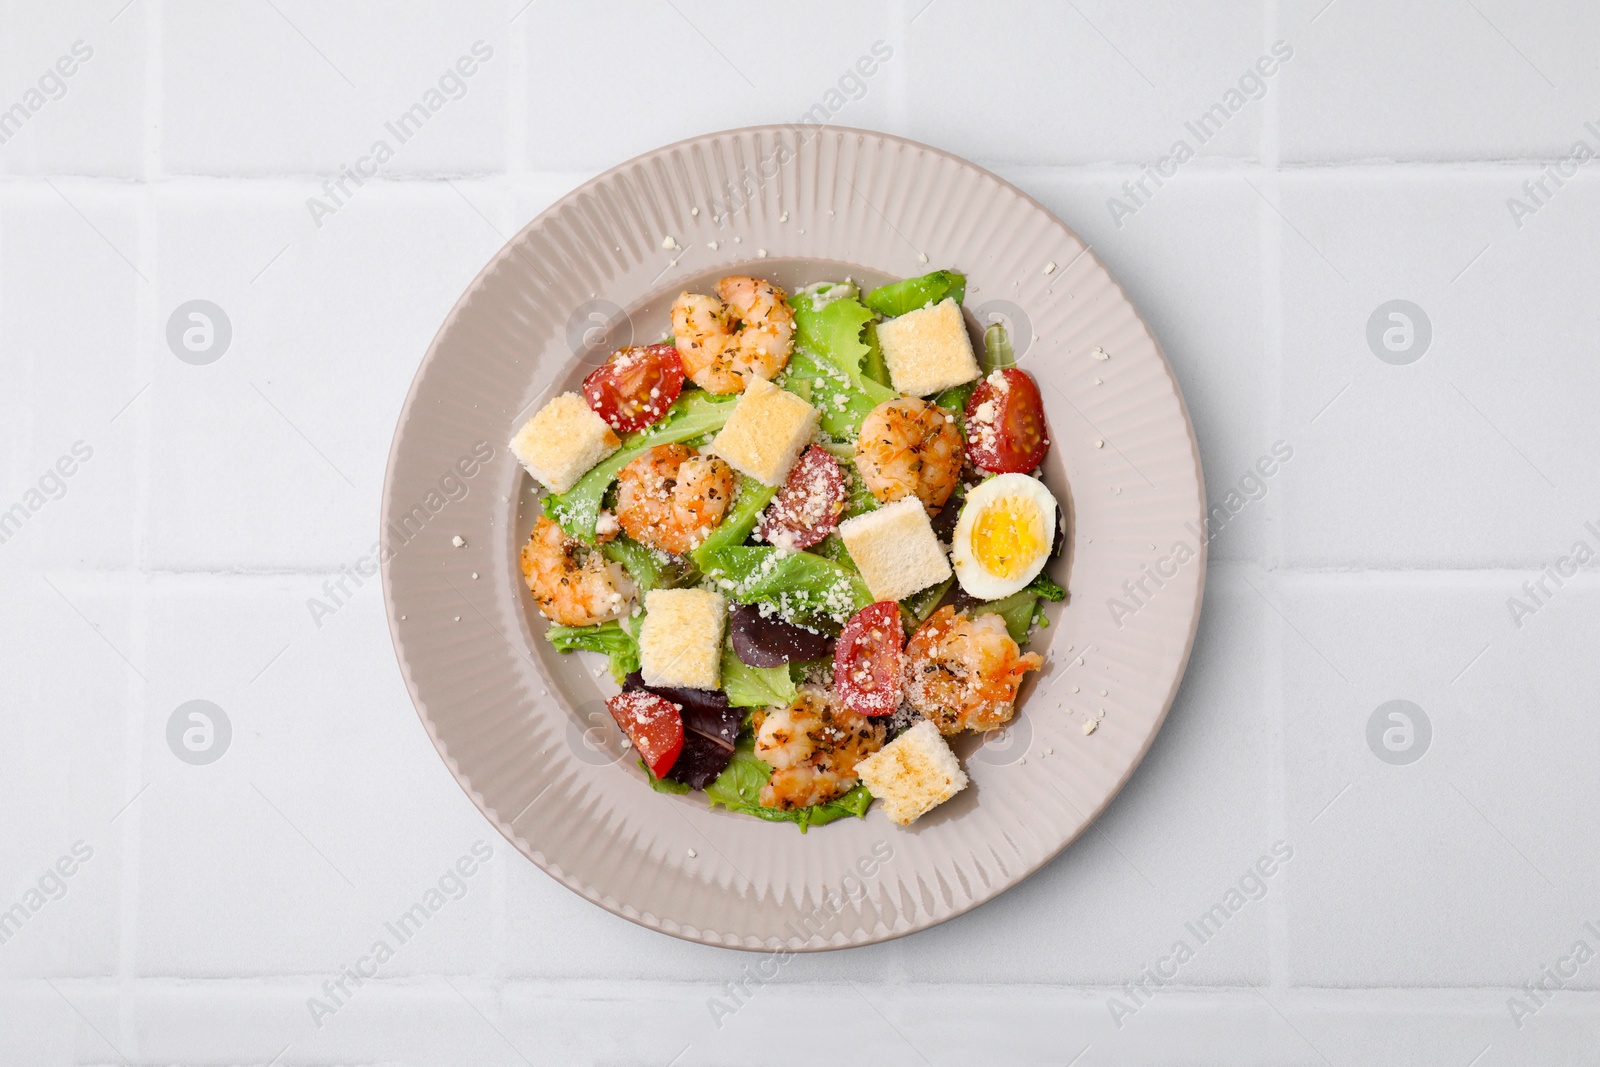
(802, 588)
(755, 687)
(830, 363)
(1046, 587)
(609, 638)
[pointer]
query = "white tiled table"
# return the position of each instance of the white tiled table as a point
(176, 562)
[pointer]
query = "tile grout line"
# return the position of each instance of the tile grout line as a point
(12, 466)
(583, 987)
(147, 318)
(1210, 165)
(1272, 333)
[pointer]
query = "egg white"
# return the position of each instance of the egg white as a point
(976, 579)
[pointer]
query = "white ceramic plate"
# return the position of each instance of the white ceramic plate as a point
(525, 730)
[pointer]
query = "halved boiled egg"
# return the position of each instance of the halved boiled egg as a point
(1003, 537)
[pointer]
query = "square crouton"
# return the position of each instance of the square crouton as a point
(767, 431)
(895, 549)
(913, 774)
(562, 441)
(680, 643)
(928, 350)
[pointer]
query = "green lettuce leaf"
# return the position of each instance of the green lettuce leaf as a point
(738, 788)
(874, 367)
(832, 547)
(609, 638)
(841, 405)
(860, 499)
(799, 668)
(1016, 610)
(954, 399)
(803, 588)
(738, 523)
(663, 785)
(755, 687)
(997, 351)
(693, 415)
(1046, 587)
(649, 568)
(916, 608)
(832, 357)
(897, 298)
(831, 326)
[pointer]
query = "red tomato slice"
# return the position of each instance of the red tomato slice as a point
(1006, 431)
(636, 386)
(866, 662)
(808, 507)
(654, 724)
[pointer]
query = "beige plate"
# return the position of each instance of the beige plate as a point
(525, 730)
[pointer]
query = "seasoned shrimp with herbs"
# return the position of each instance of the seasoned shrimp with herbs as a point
(909, 447)
(671, 497)
(813, 746)
(572, 584)
(962, 673)
(746, 329)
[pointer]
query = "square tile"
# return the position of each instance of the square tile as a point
(73, 295)
(1430, 857)
(1450, 451)
(306, 88)
(74, 99)
(71, 682)
(1489, 80)
(1087, 82)
(273, 454)
(321, 773)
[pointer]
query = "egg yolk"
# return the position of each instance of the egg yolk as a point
(1008, 536)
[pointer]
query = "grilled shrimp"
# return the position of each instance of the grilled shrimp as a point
(909, 447)
(813, 746)
(747, 328)
(963, 673)
(671, 497)
(572, 584)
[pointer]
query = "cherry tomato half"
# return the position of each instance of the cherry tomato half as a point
(1006, 431)
(636, 386)
(866, 662)
(654, 724)
(808, 507)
